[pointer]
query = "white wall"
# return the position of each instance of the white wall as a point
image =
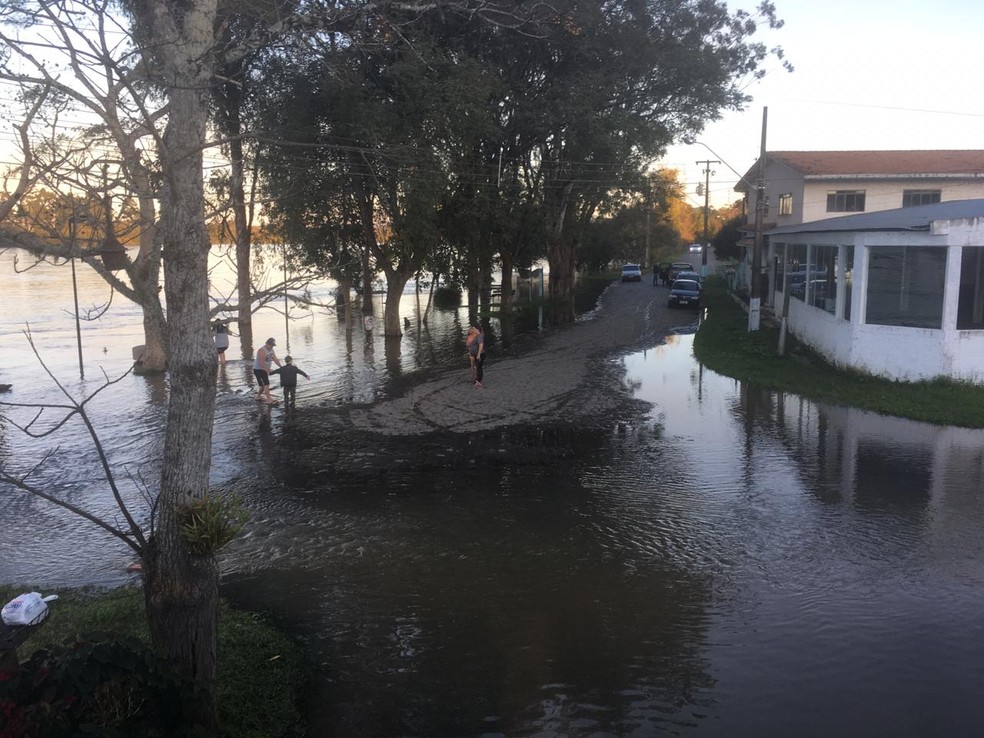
(810, 196)
(881, 194)
(895, 352)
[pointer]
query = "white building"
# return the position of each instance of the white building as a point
(804, 186)
(896, 293)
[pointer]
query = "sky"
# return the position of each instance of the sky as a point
(869, 75)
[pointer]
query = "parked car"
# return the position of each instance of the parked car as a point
(676, 267)
(695, 276)
(631, 273)
(684, 293)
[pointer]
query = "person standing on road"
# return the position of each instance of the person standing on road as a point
(655, 274)
(265, 358)
(288, 379)
(476, 353)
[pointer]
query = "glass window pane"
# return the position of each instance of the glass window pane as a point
(822, 285)
(845, 201)
(912, 198)
(796, 270)
(970, 303)
(905, 286)
(848, 280)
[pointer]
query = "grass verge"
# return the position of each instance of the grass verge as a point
(725, 345)
(260, 669)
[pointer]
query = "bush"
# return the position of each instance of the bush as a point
(260, 670)
(97, 688)
(447, 297)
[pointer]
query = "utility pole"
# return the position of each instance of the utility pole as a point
(707, 204)
(649, 228)
(754, 298)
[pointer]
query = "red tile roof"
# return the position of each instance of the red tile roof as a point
(882, 162)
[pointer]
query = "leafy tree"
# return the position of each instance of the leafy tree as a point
(107, 83)
(243, 27)
(725, 241)
(635, 228)
(370, 129)
(602, 89)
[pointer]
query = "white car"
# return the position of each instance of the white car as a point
(631, 273)
(696, 248)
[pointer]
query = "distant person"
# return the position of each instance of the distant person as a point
(265, 358)
(476, 353)
(221, 331)
(655, 274)
(288, 379)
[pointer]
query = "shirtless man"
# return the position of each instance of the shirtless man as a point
(265, 358)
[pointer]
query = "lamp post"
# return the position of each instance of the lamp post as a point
(75, 286)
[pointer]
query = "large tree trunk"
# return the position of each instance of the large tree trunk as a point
(244, 241)
(369, 234)
(395, 282)
(560, 254)
(229, 102)
(181, 587)
(343, 302)
(153, 357)
(506, 299)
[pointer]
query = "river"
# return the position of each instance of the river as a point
(727, 562)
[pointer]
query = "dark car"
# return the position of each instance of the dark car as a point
(684, 293)
(691, 275)
(676, 267)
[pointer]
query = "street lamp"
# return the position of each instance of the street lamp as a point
(72, 219)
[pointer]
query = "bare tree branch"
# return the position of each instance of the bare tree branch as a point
(133, 535)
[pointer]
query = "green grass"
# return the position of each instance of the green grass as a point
(260, 670)
(725, 345)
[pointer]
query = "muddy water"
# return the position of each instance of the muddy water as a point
(722, 562)
(728, 563)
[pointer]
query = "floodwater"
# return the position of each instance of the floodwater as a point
(729, 562)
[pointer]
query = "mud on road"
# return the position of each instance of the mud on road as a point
(535, 403)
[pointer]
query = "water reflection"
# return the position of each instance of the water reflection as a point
(493, 597)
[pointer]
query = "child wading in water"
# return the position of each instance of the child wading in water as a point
(288, 379)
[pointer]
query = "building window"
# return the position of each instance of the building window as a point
(822, 285)
(780, 266)
(848, 280)
(970, 303)
(912, 198)
(786, 204)
(905, 286)
(794, 274)
(845, 201)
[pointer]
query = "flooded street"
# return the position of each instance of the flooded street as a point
(710, 560)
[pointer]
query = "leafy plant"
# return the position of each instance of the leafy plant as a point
(210, 522)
